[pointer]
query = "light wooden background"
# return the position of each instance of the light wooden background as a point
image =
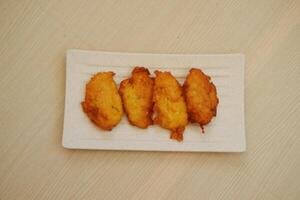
(34, 37)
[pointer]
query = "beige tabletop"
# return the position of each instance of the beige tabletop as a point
(34, 37)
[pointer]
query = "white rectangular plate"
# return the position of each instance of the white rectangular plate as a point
(226, 132)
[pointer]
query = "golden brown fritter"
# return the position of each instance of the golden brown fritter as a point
(136, 93)
(201, 97)
(102, 102)
(169, 105)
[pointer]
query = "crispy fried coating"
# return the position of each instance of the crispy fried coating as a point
(136, 93)
(170, 110)
(201, 97)
(102, 102)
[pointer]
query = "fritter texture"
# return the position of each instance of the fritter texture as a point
(201, 97)
(170, 110)
(136, 93)
(102, 102)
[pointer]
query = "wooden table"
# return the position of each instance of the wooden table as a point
(34, 37)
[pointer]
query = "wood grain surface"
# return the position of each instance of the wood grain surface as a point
(34, 37)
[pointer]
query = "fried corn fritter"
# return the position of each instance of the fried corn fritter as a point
(201, 97)
(170, 110)
(136, 93)
(102, 102)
